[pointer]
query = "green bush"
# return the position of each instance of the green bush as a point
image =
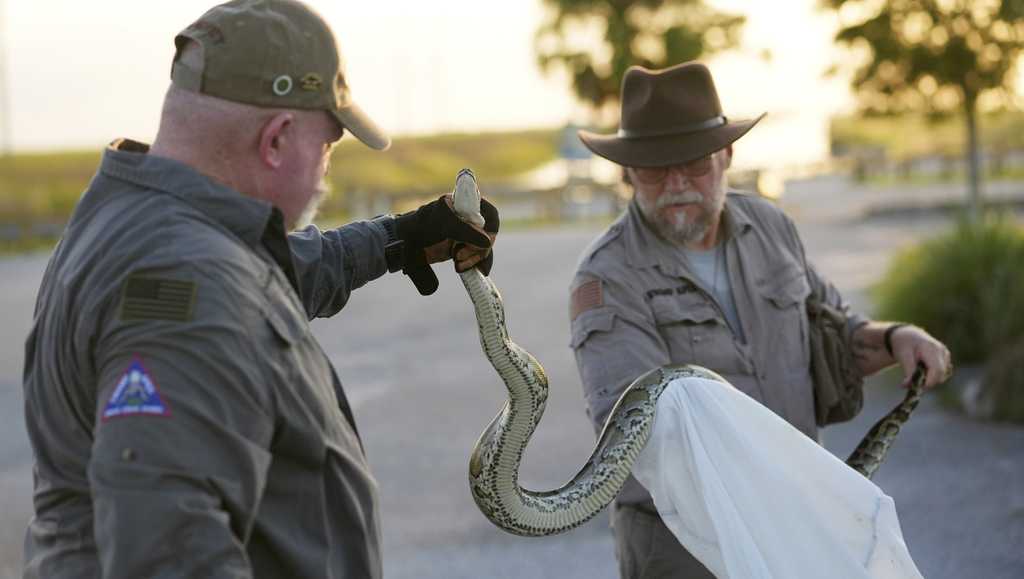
(965, 287)
(1004, 383)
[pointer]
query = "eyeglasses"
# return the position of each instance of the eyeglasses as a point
(655, 175)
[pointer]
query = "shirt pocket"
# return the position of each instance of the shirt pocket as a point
(283, 315)
(696, 333)
(305, 399)
(784, 314)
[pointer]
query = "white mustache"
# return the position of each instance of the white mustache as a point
(677, 198)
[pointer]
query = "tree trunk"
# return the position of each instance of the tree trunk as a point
(973, 161)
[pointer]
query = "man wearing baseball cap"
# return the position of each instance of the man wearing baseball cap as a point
(184, 420)
(695, 274)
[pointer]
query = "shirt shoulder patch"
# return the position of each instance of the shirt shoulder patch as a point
(154, 298)
(136, 393)
(586, 297)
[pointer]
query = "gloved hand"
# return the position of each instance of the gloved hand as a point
(434, 233)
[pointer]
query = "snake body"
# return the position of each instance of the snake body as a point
(494, 462)
(873, 448)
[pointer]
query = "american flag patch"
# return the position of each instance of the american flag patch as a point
(586, 297)
(154, 298)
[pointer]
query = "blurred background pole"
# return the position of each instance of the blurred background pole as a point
(974, 201)
(6, 121)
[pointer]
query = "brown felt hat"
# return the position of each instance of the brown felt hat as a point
(273, 53)
(669, 116)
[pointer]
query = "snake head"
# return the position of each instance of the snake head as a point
(466, 198)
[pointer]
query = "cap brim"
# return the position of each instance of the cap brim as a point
(359, 124)
(668, 149)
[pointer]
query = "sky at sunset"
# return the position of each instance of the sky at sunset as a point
(82, 73)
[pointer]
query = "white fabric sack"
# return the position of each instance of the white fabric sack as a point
(751, 497)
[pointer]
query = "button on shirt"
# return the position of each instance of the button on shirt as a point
(185, 422)
(637, 306)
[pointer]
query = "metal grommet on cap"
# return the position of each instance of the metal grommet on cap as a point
(282, 85)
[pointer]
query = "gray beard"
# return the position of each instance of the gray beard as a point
(309, 213)
(679, 230)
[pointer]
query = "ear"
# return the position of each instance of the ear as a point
(277, 134)
(728, 156)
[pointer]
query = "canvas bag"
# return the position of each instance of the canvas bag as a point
(838, 383)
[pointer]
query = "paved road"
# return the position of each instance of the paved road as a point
(422, 393)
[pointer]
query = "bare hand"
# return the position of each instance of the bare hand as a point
(911, 344)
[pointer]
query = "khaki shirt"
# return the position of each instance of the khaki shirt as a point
(184, 420)
(635, 306)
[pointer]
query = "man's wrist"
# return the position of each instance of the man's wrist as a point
(887, 337)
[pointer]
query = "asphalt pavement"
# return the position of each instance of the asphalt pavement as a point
(423, 392)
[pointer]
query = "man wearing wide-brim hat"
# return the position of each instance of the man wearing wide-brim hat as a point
(694, 273)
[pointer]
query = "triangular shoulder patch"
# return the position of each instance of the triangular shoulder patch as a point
(136, 393)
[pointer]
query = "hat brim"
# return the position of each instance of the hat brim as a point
(359, 124)
(665, 150)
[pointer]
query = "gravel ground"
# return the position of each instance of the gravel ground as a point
(422, 393)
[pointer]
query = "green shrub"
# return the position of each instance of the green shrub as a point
(1004, 383)
(965, 287)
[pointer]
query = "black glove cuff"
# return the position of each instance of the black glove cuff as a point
(394, 248)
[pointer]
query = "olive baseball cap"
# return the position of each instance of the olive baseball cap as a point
(273, 53)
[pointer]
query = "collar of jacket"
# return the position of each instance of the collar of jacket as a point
(244, 216)
(650, 249)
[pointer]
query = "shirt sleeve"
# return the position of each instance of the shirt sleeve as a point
(613, 343)
(331, 264)
(835, 299)
(822, 286)
(183, 428)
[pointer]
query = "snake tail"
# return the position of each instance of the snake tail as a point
(872, 450)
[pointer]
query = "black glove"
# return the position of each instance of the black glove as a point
(436, 223)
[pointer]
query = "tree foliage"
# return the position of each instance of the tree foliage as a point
(595, 41)
(932, 55)
(937, 56)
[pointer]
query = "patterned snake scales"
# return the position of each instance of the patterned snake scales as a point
(494, 463)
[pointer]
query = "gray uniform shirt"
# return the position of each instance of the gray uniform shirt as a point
(635, 306)
(185, 422)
